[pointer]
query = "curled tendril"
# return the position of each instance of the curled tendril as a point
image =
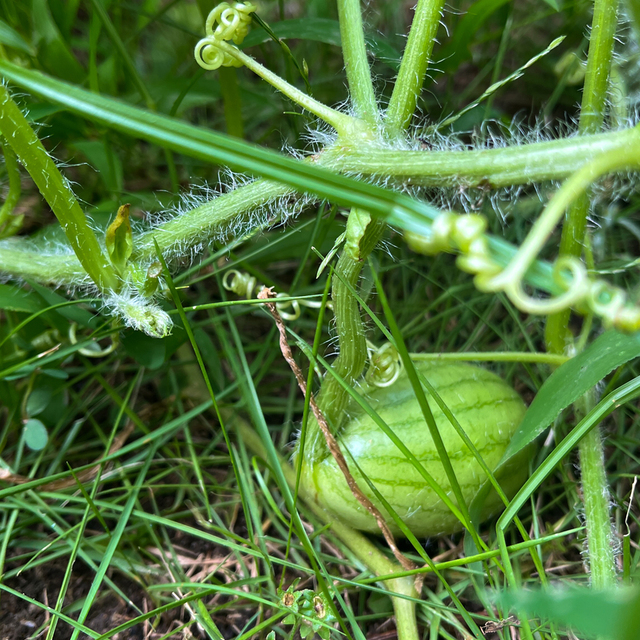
(94, 351)
(465, 234)
(575, 292)
(228, 21)
(210, 55)
(385, 365)
(242, 284)
(233, 21)
(604, 299)
(246, 285)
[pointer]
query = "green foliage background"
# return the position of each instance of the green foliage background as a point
(166, 539)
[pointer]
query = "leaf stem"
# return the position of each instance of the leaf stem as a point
(56, 191)
(356, 64)
(414, 65)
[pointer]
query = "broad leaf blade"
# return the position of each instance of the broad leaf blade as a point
(14, 299)
(594, 614)
(571, 380)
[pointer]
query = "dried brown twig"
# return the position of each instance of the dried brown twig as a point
(334, 449)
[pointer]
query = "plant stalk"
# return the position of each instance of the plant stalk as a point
(414, 64)
(56, 191)
(352, 357)
(597, 500)
(356, 64)
(488, 168)
(558, 334)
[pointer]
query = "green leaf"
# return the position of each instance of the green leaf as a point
(571, 380)
(104, 160)
(119, 240)
(54, 53)
(458, 49)
(14, 299)
(11, 38)
(35, 435)
(612, 614)
(147, 351)
(305, 630)
(58, 374)
(38, 401)
(357, 223)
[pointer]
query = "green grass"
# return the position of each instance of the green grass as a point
(193, 521)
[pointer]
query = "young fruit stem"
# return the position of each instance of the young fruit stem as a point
(558, 334)
(350, 363)
(353, 349)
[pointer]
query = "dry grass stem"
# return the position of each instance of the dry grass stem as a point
(266, 294)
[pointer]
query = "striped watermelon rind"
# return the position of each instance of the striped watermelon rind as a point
(487, 408)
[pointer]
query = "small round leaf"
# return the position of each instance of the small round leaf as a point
(35, 435)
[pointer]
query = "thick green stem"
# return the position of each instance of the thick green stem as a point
(414, 65)
(595, 494)
(502, 167)
(7, 225)
(24, 260)
(352, 357)
(354, 53)
(558, 335)
(224, 215)
(56, 191)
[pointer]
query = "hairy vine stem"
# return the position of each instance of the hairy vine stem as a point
(413, 67)
(56, 191)
(558, 334)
